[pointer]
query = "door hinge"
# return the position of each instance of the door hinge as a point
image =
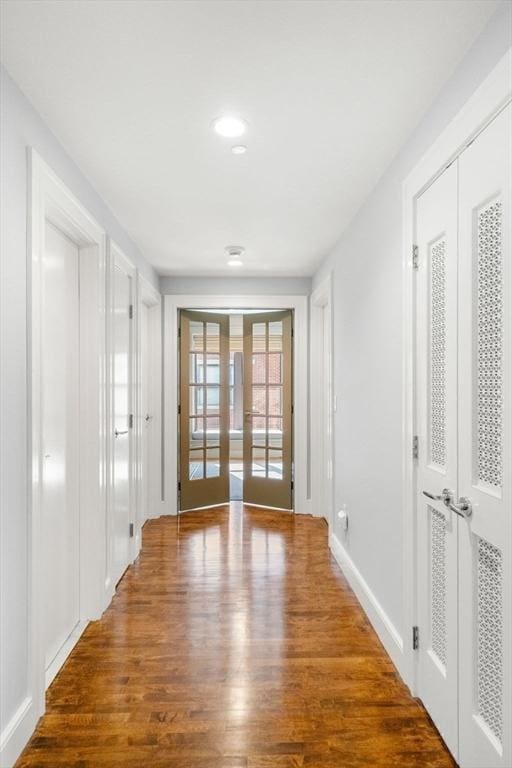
(415, 447)
(415, 257)
(130, 421)
(292, 484)
(131, 530)
(179, 487)
(130, 311)
(179, 410)
(415, 638)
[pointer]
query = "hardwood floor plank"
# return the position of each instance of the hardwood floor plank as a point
(233, 642)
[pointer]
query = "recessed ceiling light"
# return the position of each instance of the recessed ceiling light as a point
(229, 126)
(235, 263)
(239, 149)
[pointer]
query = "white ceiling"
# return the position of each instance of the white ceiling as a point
(331, 90)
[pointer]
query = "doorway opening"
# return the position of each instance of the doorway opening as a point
(235, 407)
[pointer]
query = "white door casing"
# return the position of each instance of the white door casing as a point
(60, 441)
(485, 447)
(436, 393)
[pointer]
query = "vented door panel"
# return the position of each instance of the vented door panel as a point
(436, 371)
(485, 458)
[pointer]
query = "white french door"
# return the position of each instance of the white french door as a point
(464, 497)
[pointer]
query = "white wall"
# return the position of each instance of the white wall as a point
(367, 295)
(20, 127)
(236, 286)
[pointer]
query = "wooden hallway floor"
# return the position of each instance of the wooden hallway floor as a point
(233, 642)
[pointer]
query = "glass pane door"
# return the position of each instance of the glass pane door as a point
(204, 405)
(268, 409)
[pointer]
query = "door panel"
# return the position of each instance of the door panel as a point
(121, 409)
(485, 458)
(204, 407)
(268, 409)
(60, 436)
(436, 376)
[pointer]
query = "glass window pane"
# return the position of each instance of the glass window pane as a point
(275, 368)
(259, 400)
(196, 432)
(213, 462)
(258, 467)
(213, 369)
(196, 368)
(259, 368)
(275, 438)
(196, 340)
(196, 401)
(259, 337)
(275, 464)
(213, 337)
(212, 400)
(275, 336)
(275, 401)
(212, 428)
(196, 465)
(275, 423)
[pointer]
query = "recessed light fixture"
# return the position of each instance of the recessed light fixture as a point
(229, 126)
(235, 254)
(239, 149)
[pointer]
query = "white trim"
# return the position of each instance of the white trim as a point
(322, 402)
(17, 732)
(302, 502)
(382, 624)
(149, 296)
(52, 201)
(487, 101)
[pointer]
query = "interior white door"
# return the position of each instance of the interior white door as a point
(60, 440)
(122, 423)
(436, 372)
(485, 455)
(146, 412)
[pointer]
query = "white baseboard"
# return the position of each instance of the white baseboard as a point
(388, 634)
(17, 732)
(64, 652)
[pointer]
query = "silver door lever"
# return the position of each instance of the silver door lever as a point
(463, 508)
(123, 432)
(445, 496)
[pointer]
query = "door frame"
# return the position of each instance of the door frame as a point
(490, 98)
(299, 305)
(148, 296)
(50, 200)
(322, 449)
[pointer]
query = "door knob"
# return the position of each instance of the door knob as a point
(463, 508)
(445, 496)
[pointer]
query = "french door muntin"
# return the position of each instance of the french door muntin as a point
(204, 409)
(268, 409)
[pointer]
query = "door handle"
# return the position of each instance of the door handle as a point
(123, 432)
(445, 496)
(463, 508)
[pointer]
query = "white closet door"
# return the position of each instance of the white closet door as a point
(436, 371)
(60, 438)
(121, 409)
(485, 457)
